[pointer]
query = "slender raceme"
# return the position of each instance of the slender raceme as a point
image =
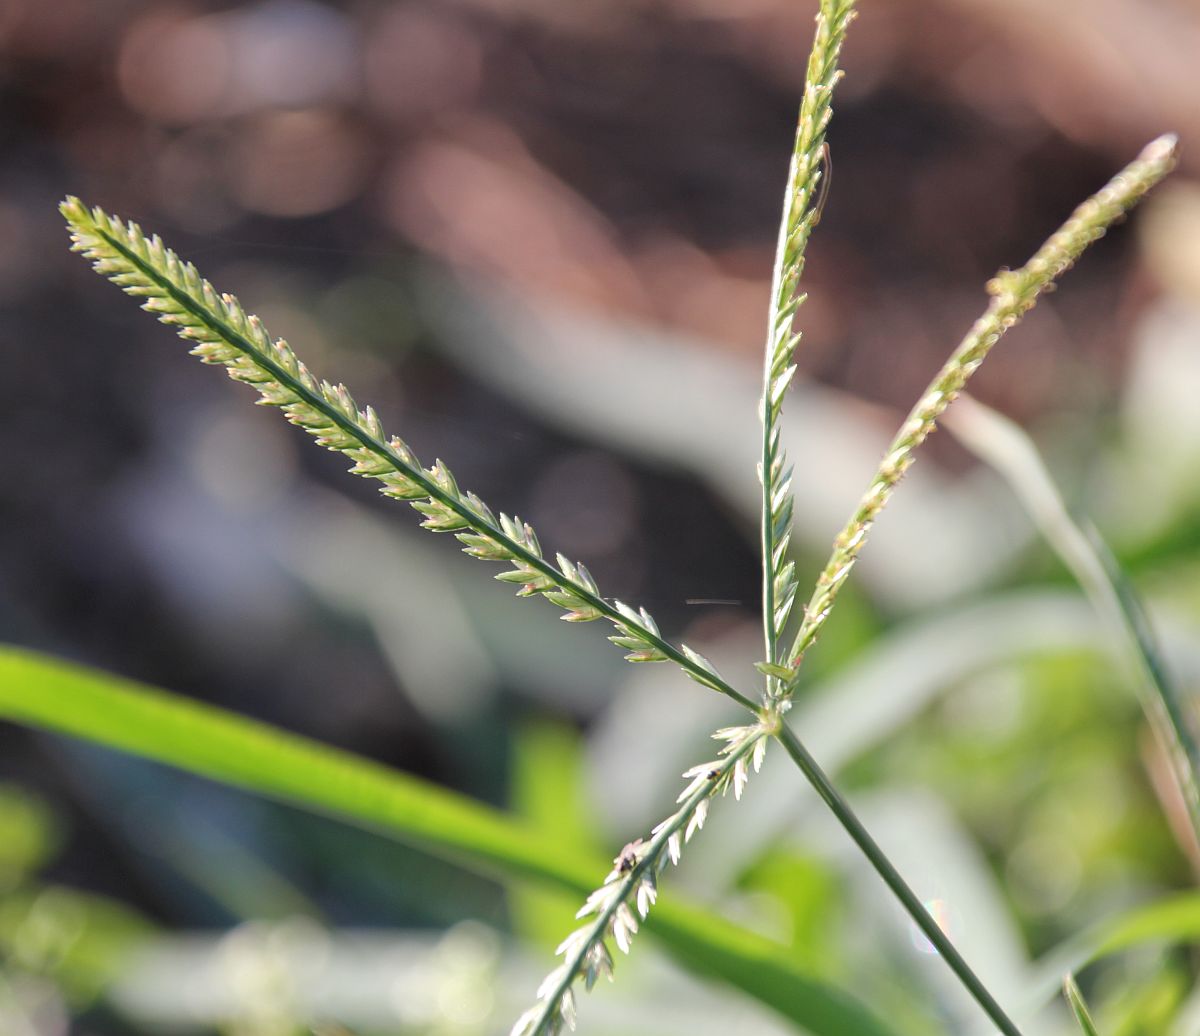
(227, 335)
(585, 950)
(801, 210)
(634, 877)
(1014, 293)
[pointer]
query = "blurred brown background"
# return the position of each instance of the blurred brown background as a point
(371, 178)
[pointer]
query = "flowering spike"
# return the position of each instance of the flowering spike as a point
(223, 333)
(804, 197)
(1013, 293)
(630, 890)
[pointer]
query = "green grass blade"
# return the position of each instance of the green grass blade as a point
(1079, 1006)
(546, 789)
(1008, 448)
(1172, 919)
(53, 695)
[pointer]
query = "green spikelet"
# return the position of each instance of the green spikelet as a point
(801, 210)
(223, 333)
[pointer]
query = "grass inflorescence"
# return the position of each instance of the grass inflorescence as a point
(222, 333)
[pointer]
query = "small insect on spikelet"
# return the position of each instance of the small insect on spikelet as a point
(630, 889)
(627, 858)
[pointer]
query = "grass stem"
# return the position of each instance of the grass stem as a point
(883, 866)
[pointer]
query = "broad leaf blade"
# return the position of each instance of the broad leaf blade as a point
(43, 692)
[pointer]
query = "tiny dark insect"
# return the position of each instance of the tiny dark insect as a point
(712, 775)
(823, 186)
(627, 858)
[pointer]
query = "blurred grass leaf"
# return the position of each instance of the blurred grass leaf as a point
(1172, 919)
(1075, 999)
(547, 791)
(808, 898)
(43, 692)
(1175, 918)
(29, 835)
(1153, 1005)
(78, 939)
(1009, 449)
